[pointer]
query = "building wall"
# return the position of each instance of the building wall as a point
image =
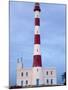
(27, 77)
(24, 77)
(50, 76)
(37, 73)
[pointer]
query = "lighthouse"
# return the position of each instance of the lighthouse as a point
(37, 73)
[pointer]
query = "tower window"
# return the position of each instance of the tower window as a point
(22, 74)
(37, 32)
(47, 81)
(37, 15)
(47, 73)
(26, 73)
(37, 69)
(26, 82)
(37, 50)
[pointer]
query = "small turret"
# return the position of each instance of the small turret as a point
(19, 63)
(22, 61)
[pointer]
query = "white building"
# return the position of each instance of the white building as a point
(30, 77)
(36, 75)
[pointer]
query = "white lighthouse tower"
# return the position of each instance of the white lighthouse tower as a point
(37, 73)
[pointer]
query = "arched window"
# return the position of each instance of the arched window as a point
(51, 81)
(51, 72)
(26, 73)
(21, 73)
(47, 73)
(37, 50)
(37, 69)
(26, 82)
(37, 31)
(37, 15)
(47, 81)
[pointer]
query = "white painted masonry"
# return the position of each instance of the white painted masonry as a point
(37, 73)
(37, 31)
(37, 14)
(37, 49)
(46, 76)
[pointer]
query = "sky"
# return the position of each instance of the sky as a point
(52, 33)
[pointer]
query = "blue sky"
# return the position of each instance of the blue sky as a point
(52, 31)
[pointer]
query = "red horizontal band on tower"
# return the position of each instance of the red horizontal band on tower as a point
(37, 39)
(37, 21)
(37, 61)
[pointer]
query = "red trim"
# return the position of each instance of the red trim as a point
(37, 39)
(37, 21)
(37, 60)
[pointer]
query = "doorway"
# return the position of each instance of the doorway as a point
(37, 82)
